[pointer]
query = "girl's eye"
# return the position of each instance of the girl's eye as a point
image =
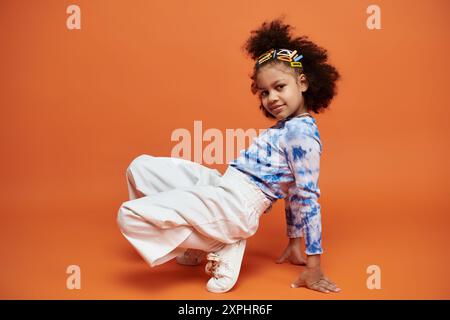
(263, 93)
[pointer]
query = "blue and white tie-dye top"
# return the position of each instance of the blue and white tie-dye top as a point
(284, 162)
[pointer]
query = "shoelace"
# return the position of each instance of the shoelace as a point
(212, 264)
(214, 261)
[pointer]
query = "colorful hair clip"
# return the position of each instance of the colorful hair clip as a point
(287, 55)
(284, 58)
(265, 56)
(293, 53)
(298, 58)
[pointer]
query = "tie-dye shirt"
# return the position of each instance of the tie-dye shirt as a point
(284, 162)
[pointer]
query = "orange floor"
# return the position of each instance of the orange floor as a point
(42, 236)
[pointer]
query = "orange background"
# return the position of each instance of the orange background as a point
(78, 105)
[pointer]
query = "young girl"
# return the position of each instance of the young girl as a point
(184, 210)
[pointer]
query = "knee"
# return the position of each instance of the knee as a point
(138, 163)
(124, 220)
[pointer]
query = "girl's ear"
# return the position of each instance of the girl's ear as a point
(302, 82)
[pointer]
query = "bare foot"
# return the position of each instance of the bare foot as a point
(191, 257)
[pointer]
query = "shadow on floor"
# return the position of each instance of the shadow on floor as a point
(169, 275)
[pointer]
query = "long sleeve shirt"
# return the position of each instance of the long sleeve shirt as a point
(284, 162)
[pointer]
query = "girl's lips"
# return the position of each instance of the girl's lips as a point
(278, 109)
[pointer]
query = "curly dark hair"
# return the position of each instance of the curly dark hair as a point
(321, 76)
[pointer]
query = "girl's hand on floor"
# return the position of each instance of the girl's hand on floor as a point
(314, 279)
(293, 254)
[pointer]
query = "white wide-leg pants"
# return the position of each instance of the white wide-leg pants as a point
(177, 204)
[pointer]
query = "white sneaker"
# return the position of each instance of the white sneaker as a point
(224, 266)
(191, 257)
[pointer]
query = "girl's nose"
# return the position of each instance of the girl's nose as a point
(273, 97)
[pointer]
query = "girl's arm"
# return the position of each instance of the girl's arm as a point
(303, 155)
(303, 152)
(294, 223)
(292, 252)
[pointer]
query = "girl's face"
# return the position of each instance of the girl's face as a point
(280, 91)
